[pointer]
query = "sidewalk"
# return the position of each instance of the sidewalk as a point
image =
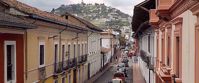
(98, 74)
(137, 75)
(93, 78)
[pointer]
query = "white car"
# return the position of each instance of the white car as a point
(117, 80)
(121, 67)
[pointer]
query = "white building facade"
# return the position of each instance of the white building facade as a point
(94, 53)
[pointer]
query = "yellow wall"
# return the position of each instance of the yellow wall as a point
(49, 80)
(43, 34)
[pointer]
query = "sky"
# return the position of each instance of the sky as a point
(125, 6)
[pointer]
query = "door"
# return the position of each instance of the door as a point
(56, 65)
(75, 76)
(88, 70)
(10, 61)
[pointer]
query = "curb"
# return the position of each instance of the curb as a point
(97, 75)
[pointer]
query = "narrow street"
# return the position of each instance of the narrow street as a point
(99, 41)
(108, 75)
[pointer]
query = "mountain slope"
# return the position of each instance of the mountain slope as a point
(98, 14)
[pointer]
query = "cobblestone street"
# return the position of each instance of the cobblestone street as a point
(108, 75)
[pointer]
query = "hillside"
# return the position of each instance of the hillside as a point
(98, 14)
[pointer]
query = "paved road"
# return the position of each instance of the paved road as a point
(108, 75)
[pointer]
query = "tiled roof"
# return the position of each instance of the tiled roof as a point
(31, 10)
(12, 21)
(90, 25)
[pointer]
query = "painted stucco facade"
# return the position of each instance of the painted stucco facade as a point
(175, 24)
(94, 53)
(175, 41)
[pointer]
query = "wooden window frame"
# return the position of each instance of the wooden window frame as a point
(41, 43)
(178, 34)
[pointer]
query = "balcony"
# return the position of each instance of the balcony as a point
(153, 17)
(72, 63)
(42, 73)
(164, 74)
(84, 58)
(80, 60)
(163, 9)
(65, 65)
(58, 67)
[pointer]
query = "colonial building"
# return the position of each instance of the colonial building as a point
(41, 46)
(107, 47)
(176, 36)
(12, 35)
(145, 36)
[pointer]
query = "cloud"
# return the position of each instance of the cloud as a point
(46, 5)
(125, 6)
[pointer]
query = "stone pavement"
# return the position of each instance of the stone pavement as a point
(137, 75)
(97, 75)
(108, 75)
(109, 66)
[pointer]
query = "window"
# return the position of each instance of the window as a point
(41, 54)
(82, 49)
(56, 52)
(56, 57)
(168, 49)
(63, 80)
(178, 56)
(85, 48)
(157, 48)
(10, 61)
(74, 50)
(66, 17)
(55, 81)
(63, 53)
(78, 49)
(149, 44)
(163, 56)
(68, 51)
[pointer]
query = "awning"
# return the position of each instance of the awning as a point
(105, 50)
(141, 14)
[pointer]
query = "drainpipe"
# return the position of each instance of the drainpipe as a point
(60, 45)
(26, 57)
(77, 47)
(59, 48)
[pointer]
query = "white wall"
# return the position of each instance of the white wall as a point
(188, 47)
(106, 43)
(144, 46)
(94, 52)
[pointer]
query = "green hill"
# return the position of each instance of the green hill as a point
(98, 14)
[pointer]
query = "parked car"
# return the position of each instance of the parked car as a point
(120, 75)
(116, 80)
(122, 68)
(125, 61)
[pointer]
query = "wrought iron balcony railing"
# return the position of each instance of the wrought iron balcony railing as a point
(80, 59)
(65, 65)
(58, 67)
(42, 73)
(84, 58)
